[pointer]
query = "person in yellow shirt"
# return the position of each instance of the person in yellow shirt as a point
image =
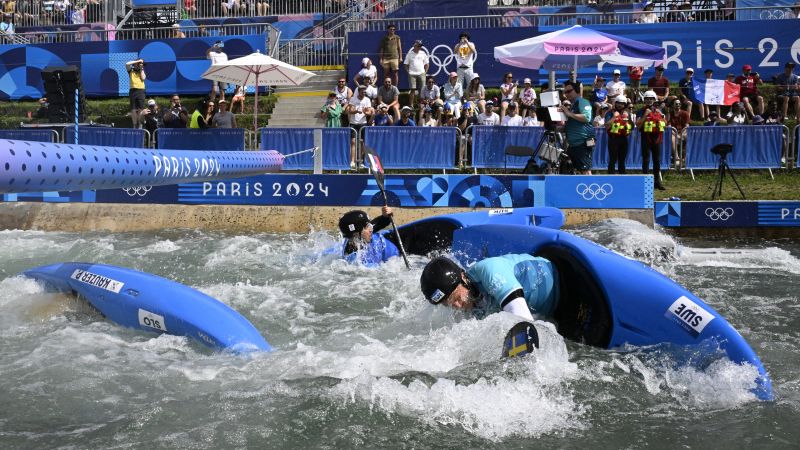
(137, 76)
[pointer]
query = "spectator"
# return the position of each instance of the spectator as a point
(238, 98)
(737, 114)
(6, 27)
(452, 94)
(448, 118)
(757, 120)
(61, 8)
(427, 118)
(224, 118)
(202, 115)
(476, 93)
(391, 50)
(390, 95)
(176, 116)
(788, 90)
(687, 94)
(659, 84)
(331, 112)
(416, 64)
(709, 74)
(531, 120)
(358, 110)
(599, 95)
(230, 7)
(382, 116)
(176, 31)
(635, 76)
(217, 56)
(679, 120)
(489, 117)
(512, 119)
(508, 92)
(136, 92)
(600, 119)
(651, 124)
(615, 87)
(527, 99)
(748, 92)
(152, 118)
(618, 125)
(429, 94)
(465, 55)
(714, 120)
(580, 133)
(262, 7)
(647, 15)
(342, 92)
(367, 76)
(405, 118)
(44, 109)
(188, 7)
(468, 117)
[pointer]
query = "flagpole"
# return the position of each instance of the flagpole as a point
(255, 111)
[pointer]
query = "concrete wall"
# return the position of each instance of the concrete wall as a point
(234, 218)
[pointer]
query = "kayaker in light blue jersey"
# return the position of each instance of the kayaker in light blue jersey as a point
(517, 284)
(360, 244)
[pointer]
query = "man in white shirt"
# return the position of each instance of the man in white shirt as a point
(358, 109)
(512, 119)
(416, 64)
(453, 93)
(489, 117)
(615, 87)
(465, 55)
(217, 56)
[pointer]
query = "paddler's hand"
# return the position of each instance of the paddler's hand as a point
(387, 211)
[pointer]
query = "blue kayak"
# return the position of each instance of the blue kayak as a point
(148, 302)
(606, 300)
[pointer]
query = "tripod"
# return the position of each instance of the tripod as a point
(722, 150)
(550, 150)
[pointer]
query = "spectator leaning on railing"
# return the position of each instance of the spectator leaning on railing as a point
(151, 117)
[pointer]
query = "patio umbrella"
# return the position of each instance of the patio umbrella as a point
(575, 47)
(257, 70)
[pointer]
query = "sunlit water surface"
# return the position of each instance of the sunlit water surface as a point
(362, 360)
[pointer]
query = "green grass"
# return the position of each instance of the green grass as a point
(757, 185)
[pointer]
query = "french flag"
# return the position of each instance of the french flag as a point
(715, 92)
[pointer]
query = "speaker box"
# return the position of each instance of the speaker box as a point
(60, 83)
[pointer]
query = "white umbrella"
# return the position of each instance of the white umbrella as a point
(257, 70)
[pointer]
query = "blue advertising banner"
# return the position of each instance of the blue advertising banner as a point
(229, 139)
(172, 65)
(754, 146)
(489, 145)
(769, 9)
(414, 147)
(106, 136)
(633, 160)
(721, 46)
(474, 191)
(335, 146)
(27, 134)
(728, 214)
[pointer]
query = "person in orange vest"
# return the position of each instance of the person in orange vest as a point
(651, 125)
(619, 127)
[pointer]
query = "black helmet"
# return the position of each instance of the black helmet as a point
(353, 222)
(439, 279)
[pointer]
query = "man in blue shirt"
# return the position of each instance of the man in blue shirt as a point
(517, 284)
(788, 88)
(405, 118)
(580, 132)
(360, 245)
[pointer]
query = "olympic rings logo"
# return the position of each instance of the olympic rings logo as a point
(776, 14)
(440, 63)
(139, 191)
(722, 214)
(594, 191)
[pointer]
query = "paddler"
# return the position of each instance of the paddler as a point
(361, 245)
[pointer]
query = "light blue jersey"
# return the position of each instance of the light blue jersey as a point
(499, 276)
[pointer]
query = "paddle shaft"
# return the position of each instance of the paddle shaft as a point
(397, 233)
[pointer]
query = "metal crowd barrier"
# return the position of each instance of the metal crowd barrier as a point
(88, 35)
(313, 52)
(456, 148)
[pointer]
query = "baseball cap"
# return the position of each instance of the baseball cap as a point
(383, 106)
(689, 69)
(418, 42)
(222, 101)
(453, 74)
(405, 108)
(757, 119)
(617, 72)
(747, 67)
(475, 75)
(526, 81)
(605, 106)
(331, 94)
(152, 102)
(790, 64)
(364, 60)
(489, 103)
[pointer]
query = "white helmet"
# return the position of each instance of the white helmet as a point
(621, 99)
(650, 94)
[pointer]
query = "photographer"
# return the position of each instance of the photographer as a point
(44, 109)
(151, 117)
(176, 116)
(137, 76)
(580, 133)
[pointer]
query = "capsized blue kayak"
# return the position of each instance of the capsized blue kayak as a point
(148, 302)
(605, 299)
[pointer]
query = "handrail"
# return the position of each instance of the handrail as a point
(793, 153)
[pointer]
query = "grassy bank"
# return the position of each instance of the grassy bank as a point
(757, 185)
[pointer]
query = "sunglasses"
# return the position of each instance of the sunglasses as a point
(568, 91)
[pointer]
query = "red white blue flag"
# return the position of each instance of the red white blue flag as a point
(715, 92)
(374, 160)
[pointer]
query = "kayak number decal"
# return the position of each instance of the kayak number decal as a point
(99, 281)
(689, 315)
(151, 320)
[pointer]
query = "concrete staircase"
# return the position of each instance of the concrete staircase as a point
(299, 107)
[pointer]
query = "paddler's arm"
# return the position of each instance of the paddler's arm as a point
(515, 304)
(382, 221)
